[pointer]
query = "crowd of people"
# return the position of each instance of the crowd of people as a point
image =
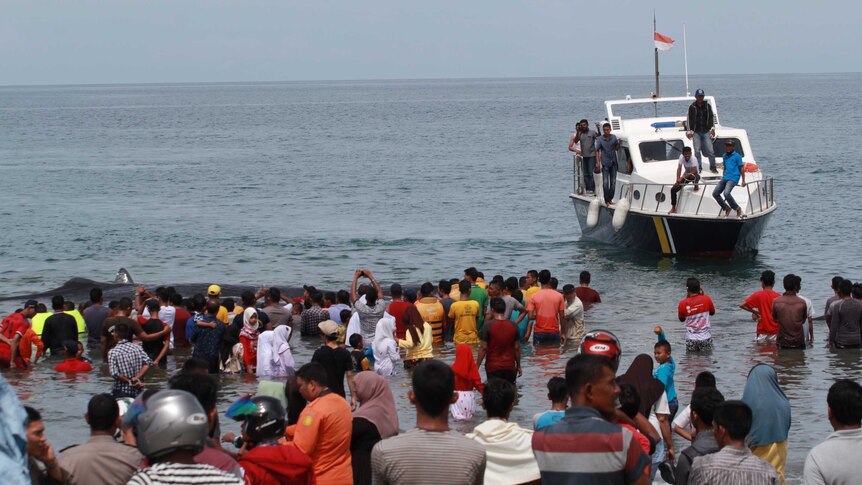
(333, 420)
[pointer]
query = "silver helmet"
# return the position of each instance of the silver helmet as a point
(171, 420)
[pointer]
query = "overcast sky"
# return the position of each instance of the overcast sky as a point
(118, 41)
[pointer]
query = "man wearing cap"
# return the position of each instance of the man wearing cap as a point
(701, 123)
(733, 171)
(12, 329)
(214, 293)
(336, 360)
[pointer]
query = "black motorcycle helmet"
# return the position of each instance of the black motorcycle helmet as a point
(267, 423)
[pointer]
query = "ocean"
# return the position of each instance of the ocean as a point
(303, 182)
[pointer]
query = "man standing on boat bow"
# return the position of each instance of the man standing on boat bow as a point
(701, 123)
(586, 138)
(606, 161)
(733, 170)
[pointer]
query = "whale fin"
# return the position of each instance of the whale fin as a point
(123, 277)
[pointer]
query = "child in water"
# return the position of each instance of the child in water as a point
(665, 370)
(360, 361)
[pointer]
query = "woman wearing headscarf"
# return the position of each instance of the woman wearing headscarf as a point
(282, 358)
(467, 379)
(264, 351)
(654, 405)
(384, 347)
(248, 339)
(770, 411)
(376, 419)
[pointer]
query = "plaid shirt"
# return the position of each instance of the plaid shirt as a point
(126, 359)
(310, 318)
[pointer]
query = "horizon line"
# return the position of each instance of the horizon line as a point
(395, 79)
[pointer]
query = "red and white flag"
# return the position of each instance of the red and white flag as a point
(663, 42)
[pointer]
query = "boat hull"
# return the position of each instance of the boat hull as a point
(674, 235)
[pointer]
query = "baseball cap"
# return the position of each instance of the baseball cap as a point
(214, 290)
(730, 143)
(30, 303)
(699, 92)
(328, 327)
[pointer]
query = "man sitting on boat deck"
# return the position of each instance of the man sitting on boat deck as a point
(733, 170)
(686, 171)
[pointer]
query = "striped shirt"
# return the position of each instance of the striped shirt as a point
(177, 473)
(733, 466)
(584, 449)
(421, 457)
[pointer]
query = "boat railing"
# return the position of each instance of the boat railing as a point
(642, 195)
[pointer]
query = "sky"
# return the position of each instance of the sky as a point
(131, 41)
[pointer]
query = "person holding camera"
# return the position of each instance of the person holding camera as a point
(586, 140)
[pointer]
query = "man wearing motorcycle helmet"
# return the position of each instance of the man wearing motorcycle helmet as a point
(267, 460)
(171, 428)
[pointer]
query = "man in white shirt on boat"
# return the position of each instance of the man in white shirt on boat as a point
(686, 171)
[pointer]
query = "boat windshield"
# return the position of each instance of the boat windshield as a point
(660, 150)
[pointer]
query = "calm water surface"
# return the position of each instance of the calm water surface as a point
(292, 183)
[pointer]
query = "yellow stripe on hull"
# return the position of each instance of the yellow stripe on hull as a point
(662, 237)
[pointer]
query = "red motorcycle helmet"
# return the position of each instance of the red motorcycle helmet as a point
(604, 343)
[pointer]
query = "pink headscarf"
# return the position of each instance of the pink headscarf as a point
(376, 403)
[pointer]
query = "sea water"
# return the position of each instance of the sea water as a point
(301, 183)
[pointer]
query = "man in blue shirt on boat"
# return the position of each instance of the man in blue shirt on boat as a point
(733, 171)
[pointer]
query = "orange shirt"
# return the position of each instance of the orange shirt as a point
(548, 304)
(25, 345)
(323, 433)
(433, 313)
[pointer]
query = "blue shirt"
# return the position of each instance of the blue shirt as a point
(207, 340)
(732, 166)
(547, 418)
(608, 148)
(665, 372)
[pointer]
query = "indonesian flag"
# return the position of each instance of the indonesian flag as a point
(663, 42)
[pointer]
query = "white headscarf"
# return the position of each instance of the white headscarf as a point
(248, 329)
(281, 354)
(383, 335)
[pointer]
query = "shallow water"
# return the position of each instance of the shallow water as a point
(294, 183)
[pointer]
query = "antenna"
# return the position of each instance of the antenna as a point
(685, 51)
(656, 55)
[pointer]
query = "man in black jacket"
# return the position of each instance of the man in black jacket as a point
(701, 124)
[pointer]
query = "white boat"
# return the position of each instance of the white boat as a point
(652, 134)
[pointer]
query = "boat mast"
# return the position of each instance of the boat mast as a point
(656, 55)
(685, 51)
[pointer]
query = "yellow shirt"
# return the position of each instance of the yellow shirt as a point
(530, 291)
(775, 454)
(465, 313)
(422, 350)
(222, 315)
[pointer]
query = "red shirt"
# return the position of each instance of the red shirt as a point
(501, 337)
(587, 295)
(180, 319)
(762, 300)
(548, 304)
(277, 464)
(73, 364)
(9, 327)
(396, 309)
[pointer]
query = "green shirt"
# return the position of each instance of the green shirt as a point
(479, 295)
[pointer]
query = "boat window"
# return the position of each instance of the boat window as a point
(718, 146)
(661, 150)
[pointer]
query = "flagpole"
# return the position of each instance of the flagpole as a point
(656, 56)
(685, 54)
